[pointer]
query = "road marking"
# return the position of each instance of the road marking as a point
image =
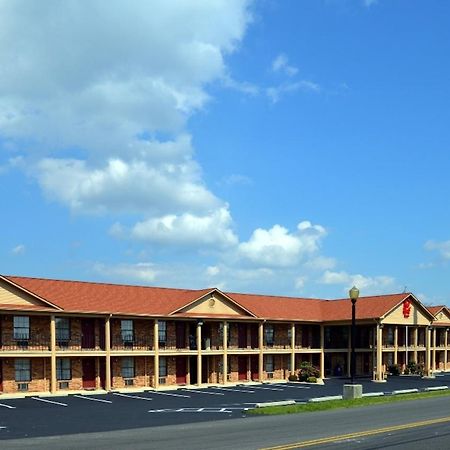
(359, 434)
(48, 401)
(195, 410)
(7, 406)
(233, 390)
(136, 397)
(299, 387)
(203, 392)
(267, 388)
(93, 399)
(172, 395)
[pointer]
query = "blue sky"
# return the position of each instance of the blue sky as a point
(283, 147)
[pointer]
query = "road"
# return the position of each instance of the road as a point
(249, 433)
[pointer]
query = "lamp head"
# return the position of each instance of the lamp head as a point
(354, 294)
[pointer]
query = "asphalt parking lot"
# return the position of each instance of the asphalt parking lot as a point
(59, 415)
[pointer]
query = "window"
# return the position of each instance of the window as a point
(162, 366)
(21, 328)
(23, 370)
(269, 335)
(127, 330)
(62, 329)
(63, 369)
(269, 363)
(128, 367)
(162, 332)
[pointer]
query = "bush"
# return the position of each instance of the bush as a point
(293, 377)
(394, 369)
(307, 370)
(312, 380)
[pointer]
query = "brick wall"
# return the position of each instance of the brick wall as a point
(40, 375)
(39, 332)
(76, 383)
(143, 372)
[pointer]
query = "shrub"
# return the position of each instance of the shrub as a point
(394, 369)
(293, 377)
(307, 370)
(312, 380)
(412, 368)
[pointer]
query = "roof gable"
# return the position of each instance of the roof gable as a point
(213, 303)
(14, 295)
(417, 315)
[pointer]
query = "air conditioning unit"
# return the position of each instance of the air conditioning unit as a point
(270, 375)
(129, 382)
(22, 386)
(63, 385)
(162, 380)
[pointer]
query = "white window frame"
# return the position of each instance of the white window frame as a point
(22, 370)
(63, 369)
(21, 328)
(127, 367)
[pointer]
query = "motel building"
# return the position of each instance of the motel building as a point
(59, 336)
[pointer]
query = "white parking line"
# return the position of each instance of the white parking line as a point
(49, 401)
(7, 406)
(93, 399)
(299, 387)
(233, 390)
(267, 388)
(203, 392)
(136, 397)
(171, 395)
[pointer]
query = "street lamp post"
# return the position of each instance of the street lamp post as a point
(354, 294)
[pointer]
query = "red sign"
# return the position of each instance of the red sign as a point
(406, 308)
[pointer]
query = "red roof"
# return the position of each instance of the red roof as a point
(80, 296)
(89, 297)
(372, 307)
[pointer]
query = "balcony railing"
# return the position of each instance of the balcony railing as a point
(32, 342)
(135, 343)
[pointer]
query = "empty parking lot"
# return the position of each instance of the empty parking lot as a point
(82, 413)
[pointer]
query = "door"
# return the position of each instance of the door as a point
(101, 334)
(254, 367)
(88, 365)
(102, 372)
(242, 335)
(1, 375)
(254, 335)
(181, 369)
(242, 368)
(88, 333)
(180, 331)
(193, 369)
(205, 369)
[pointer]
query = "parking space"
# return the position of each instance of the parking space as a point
(80, 413)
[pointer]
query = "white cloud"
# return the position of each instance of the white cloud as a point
(142, 272)
(278, 247)
(442, 247)
(213, 229)
(109, 81)
(18, 249)
(276, 92)
(366, 284)
(212, 271)
(281, 64)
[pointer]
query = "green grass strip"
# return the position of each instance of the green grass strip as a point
(339, 404)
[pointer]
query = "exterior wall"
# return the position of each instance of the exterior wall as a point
(40, 375)
(39, 332)
(142, 330)
(143, 372)
(10, 295)
(76, 382)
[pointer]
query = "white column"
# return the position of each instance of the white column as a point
(156, 347)
(53, 380)
(108, 354)
(199, 353)
(261, 351)
(322, 351)
(292, 348)
(379, 376)
(225, 352)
